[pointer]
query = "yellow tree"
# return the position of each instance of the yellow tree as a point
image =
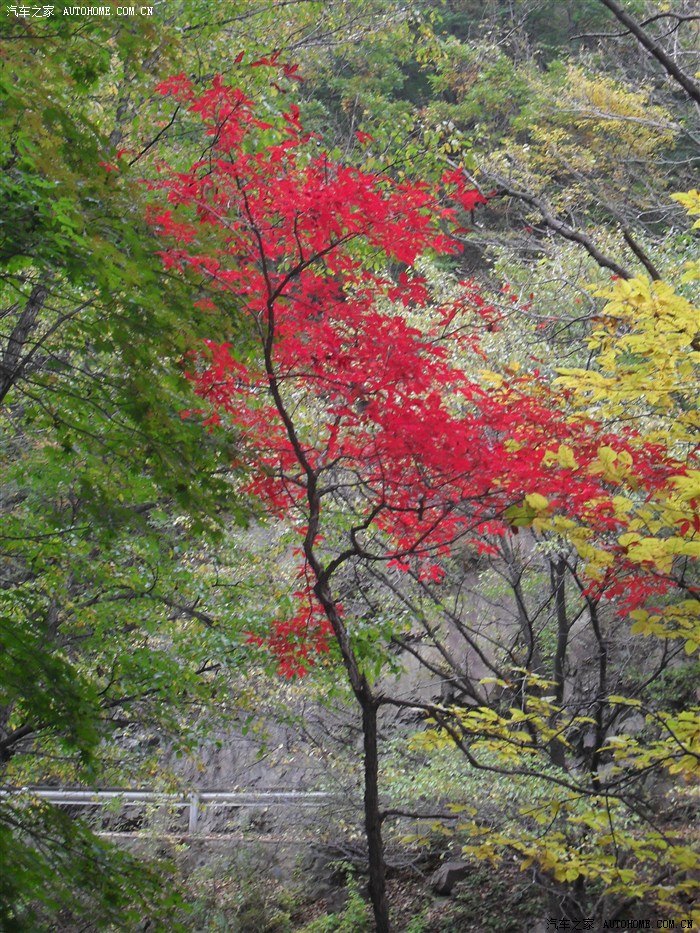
(601, 829)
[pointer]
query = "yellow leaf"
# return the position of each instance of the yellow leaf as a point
(690, 200)
(565, 457)
(628, 538)
(624, 701)
(622, 506)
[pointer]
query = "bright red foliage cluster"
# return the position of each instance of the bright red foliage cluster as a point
(347, 401)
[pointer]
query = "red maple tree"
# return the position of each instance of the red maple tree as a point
(358, 398)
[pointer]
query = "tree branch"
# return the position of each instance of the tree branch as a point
(563, 229)
(689, 86)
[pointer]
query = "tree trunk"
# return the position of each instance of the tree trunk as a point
(373, 820)
(11, 363)
(557, 749)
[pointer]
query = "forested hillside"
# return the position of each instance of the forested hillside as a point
(349, 365)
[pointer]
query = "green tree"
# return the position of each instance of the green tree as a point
(108, 498)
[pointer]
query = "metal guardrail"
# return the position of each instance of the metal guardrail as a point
(193, 802)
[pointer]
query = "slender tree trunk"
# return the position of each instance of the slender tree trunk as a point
(373, 819)
(358, 681)
(557, 749)
(601, 695)
(11, 362)
(558, 583)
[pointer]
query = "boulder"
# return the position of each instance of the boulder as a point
(323, 872)
(447, 875)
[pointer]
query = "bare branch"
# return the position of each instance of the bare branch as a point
(563, 229)
(689, 86)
